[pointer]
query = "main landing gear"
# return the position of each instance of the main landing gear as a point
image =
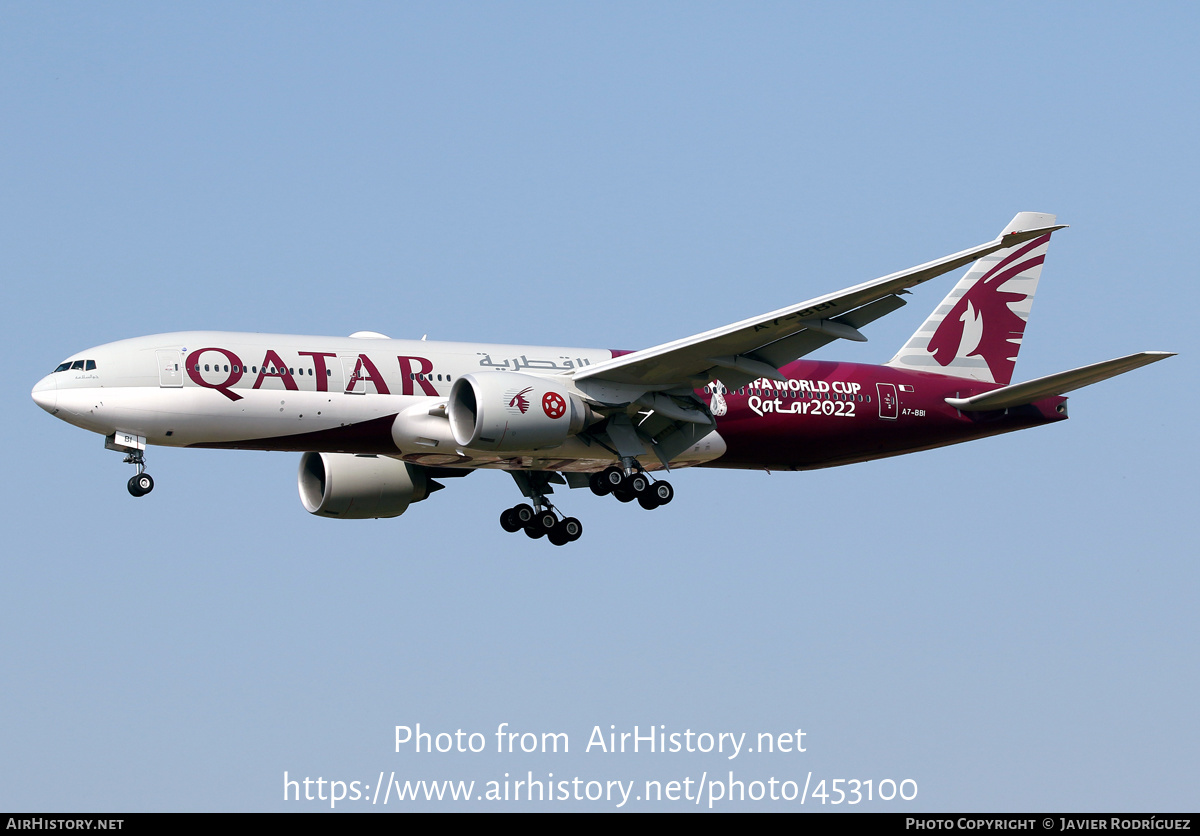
(140, 484)
(544, 523)
(627, 487)
(540, 518)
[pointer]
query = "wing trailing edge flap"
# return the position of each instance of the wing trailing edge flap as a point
(666, 437)
(773, 339)
(784, 351)
(1020, 394)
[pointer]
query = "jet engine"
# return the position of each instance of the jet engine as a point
(509, 411)
(355, 487)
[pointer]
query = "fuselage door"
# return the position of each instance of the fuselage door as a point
(170, 369)
(354, 376)
(889, 401)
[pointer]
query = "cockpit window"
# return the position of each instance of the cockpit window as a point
(77, 365)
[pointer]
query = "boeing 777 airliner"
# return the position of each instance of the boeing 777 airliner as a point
(380, 421)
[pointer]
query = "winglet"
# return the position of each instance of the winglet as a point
(1017, 236)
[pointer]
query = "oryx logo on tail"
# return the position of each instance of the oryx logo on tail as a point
(982, 322)
(977, 330)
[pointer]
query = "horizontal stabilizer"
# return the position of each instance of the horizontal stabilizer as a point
(1020, 394)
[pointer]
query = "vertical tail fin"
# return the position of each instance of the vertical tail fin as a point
(976, 331)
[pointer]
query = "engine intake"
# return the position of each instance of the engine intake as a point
(508, 411)
(356, 487)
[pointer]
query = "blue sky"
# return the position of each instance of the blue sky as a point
(1011, 623)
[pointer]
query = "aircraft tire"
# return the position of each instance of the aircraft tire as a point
(533, 532)
(523, 514)
(598, 485)
(639, 483)
(648, 500)
(558, 537)
(662, 492)
(613, 477)
(573, 528)
(546, 521)
(141, 484)
(624, 495)
(509, 521)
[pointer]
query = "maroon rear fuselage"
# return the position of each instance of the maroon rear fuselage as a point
(831, 413)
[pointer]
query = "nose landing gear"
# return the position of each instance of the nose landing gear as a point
(133, 446)
(141, 483)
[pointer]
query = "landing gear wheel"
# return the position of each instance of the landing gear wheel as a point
(566, 531)
(599, 485)
(533, 532)
(648, 500)
(141, 484)
(572, 527)
(509, 521)
(662, 492)
(546, 521)
(624, 495)
(639, 483)
(613, 477)
(523, 514)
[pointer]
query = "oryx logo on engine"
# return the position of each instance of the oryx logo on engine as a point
(517, 401)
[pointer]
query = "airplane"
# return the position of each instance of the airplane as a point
(379, 421)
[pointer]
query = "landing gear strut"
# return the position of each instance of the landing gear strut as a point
(140, 484)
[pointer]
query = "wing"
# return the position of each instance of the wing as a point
(757, 347)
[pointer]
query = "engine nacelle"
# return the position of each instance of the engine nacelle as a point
(509, 411)
(353, 487)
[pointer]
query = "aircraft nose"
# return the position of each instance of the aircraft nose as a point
(45, 394)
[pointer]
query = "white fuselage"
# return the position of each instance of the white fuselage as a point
(289, 392)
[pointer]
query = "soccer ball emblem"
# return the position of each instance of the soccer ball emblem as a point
(553, 405)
